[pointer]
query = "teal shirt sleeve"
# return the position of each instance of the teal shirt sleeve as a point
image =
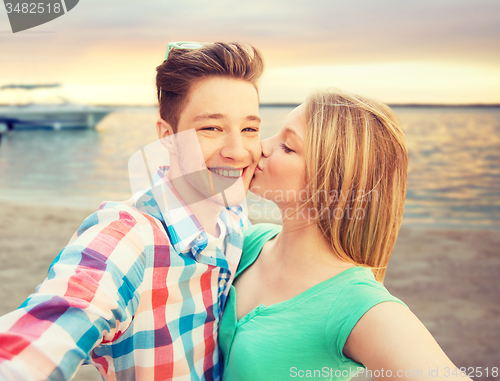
(356, 298)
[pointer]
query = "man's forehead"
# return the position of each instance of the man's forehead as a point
(219, 116)
(220, 98)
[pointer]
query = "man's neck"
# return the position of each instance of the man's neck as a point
(206, 211)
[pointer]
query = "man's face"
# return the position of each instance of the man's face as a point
(224, 114)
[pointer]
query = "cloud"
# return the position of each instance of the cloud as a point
(325, 29)
(406, 82)
(123, 40)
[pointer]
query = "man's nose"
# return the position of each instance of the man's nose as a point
(234, 147)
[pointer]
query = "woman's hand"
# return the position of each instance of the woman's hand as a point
(390, 339)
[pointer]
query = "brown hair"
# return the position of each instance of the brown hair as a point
(357, 161)
(184, 67)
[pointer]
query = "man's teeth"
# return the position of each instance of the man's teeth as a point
(224, 172)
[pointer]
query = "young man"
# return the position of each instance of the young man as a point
(139, 290)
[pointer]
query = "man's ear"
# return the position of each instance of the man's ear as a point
(165, 133)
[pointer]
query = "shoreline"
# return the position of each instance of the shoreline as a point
(90, 205)
(447, 276)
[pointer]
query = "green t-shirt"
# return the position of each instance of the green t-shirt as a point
(302, 337)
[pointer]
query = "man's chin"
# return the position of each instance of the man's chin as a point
(226, 199)
(234, 195)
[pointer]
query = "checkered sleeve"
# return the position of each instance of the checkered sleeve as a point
(89, 297)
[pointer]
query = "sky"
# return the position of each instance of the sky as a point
(397, 51)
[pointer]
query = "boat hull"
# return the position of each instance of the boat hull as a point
(64, 117)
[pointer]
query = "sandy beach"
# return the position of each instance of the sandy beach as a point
(448, 277)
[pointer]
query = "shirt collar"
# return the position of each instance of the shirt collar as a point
(163, 202)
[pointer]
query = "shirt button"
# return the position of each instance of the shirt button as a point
(199, 238)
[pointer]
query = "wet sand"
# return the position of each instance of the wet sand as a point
(450, 278)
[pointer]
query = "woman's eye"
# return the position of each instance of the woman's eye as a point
(286, 149)
(210, 129)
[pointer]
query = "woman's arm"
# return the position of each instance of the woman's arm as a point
(390, 338)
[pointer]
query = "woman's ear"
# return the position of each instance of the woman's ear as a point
(165, 133)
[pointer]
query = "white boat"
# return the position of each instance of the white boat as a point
(50, 116)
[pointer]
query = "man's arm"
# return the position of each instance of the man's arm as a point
(88, 298)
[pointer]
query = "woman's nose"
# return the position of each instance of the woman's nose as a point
(266, 147)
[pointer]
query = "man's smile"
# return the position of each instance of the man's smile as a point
(228, 172)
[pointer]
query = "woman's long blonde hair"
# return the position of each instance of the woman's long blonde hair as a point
(357, 163)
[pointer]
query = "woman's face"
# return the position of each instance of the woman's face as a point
(281, 173)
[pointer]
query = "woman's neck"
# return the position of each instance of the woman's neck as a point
(301, 241)
(300, 254)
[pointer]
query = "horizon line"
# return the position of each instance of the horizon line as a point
(294, 104)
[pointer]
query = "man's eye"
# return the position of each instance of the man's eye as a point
(286, 149)
(251, 129)
(210, 129)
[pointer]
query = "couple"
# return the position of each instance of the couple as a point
(140, 290)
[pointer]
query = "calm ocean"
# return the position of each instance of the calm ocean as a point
(454, 177)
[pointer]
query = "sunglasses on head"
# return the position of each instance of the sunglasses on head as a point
(182, 45)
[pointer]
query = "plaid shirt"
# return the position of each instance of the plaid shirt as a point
(137, 292)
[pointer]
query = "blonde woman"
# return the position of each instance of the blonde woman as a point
(308, 299)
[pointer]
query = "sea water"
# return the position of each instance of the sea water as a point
(454, 175)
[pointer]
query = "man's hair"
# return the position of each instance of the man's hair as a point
(357, 161)
(185, 67)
